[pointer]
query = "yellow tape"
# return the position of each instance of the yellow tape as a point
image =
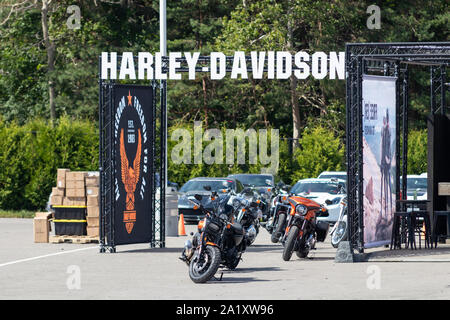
(66, 220)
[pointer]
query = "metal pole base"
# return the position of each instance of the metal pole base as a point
(344, 254)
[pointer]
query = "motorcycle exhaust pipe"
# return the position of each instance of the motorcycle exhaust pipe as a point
(188, 252)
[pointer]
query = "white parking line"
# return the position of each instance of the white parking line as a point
(45, 256)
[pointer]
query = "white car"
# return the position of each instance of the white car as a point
(321, 190)
(417, 187)
(333, 174)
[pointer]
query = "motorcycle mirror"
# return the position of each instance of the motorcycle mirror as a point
(328, 202)
(198, 197)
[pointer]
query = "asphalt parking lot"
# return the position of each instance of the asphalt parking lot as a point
(71, 271)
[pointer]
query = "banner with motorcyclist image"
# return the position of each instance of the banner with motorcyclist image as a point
(132, 113)
(379, 154)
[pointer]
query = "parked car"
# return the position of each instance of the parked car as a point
(321, 190)
(333, 174)
(417, 186)
(170, 184)
(260, 182)
(196, 186)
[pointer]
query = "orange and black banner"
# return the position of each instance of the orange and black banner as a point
(133, 153)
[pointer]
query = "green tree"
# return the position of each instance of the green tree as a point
(320, 150)
(30, 155)
(417, 151)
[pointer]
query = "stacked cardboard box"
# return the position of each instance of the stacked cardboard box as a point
(70, 188)
(57, 198)
(92, 196)
(78, 188)
(41, 227)
(75, 188)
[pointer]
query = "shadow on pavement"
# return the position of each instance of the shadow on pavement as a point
(255, 269)
(319, 258)
(442, 249)
(154, 250)
(227, 279)
(260, 248)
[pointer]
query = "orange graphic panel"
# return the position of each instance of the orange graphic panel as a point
(130, 178)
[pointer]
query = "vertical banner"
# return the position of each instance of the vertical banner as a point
(379, 154)
(132, 148)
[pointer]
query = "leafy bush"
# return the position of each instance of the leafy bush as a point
(30, 155)
(417, 151)
(182, 172)
(319, 151)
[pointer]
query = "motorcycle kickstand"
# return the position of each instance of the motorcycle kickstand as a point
(218, 279)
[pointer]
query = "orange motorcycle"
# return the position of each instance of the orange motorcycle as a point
(302, 228)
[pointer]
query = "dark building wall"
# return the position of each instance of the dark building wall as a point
(438, 163)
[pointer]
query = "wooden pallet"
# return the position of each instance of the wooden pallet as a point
(73, 239)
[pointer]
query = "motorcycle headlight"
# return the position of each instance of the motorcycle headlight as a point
(236, 203)
(301, 209)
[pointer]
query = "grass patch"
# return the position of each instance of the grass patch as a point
(16, 214)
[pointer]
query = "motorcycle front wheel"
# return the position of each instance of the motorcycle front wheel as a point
(302, 253)
(203, 267)
(277, 233)
(340, 234)
(290, 242)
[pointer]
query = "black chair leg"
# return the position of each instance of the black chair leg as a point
(393, 233)
(428, 233)
(412, 238)
(434, 231)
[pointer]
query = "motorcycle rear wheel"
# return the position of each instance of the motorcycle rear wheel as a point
(202, 270)
(290, 242)
(278, 232)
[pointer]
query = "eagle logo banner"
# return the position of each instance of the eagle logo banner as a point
(130, 178)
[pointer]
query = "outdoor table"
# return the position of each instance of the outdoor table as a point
(410, 217)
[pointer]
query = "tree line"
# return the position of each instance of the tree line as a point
(49, 70)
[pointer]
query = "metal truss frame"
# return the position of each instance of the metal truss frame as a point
(390, 59)
(107, 164)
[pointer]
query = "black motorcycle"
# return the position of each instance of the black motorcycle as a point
(247, 215)
(218, 242)
(261, 196)
(276, 224)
